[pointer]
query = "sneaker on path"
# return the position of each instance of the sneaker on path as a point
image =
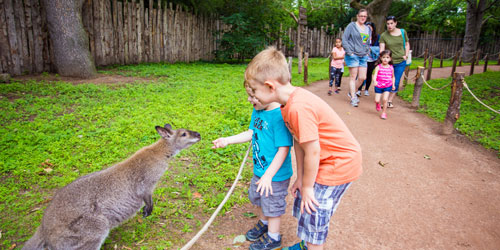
(377, 106)
(256, 232)
(354, 102)
(337, 91)
(266, 243)
(358, 93)
(367, 93)
(298, 246)
(383, 116)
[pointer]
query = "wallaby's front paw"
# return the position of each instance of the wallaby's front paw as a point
(146, 211)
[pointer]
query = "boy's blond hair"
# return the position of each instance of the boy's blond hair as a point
(269, 64)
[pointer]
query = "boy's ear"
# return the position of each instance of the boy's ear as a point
(271, 84)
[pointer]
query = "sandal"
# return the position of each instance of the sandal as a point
(390, 105)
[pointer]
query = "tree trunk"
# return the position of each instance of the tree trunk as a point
(474, 21)
(377, 11)
(70, 42)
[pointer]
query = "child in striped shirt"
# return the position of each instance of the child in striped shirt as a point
(384, 81)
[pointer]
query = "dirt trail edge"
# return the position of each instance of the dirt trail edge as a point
(419, 189)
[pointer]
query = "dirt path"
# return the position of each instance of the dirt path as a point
(450, 200)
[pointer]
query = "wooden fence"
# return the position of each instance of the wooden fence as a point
(449, 46)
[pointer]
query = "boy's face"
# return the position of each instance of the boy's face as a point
(261, 92)
(256, 103)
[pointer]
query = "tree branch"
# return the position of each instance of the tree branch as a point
(357, 4)
(490, 5)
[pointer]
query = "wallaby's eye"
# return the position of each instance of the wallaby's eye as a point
(183, 134)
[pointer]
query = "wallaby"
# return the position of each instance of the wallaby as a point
(83, 212)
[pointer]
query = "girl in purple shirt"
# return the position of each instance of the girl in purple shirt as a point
(384, 81)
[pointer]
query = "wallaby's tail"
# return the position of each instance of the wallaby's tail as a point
(35, 242)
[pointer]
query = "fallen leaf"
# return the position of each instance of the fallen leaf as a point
(239, 239)
(427, 157)
(382, 164)
(196, 195)
(14, 246)
(48, 170)
(249, 215)
(349, 113)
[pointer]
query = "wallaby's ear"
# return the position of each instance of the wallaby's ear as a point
(168, 126)
(164, 132)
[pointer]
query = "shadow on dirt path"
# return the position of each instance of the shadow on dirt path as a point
(419, 189)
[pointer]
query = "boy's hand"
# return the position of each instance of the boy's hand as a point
(297, 186)
(265, 185)
(220, 143)
(393, 87)
(308, 200)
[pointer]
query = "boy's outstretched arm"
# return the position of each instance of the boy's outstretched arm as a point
(311, 164)
(239, 138)
(264, 184)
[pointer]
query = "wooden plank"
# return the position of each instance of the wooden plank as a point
(126, 29)
(150, 34)
(29, 34)
(133, 32)
(146, 36)
(21, 35)
(159, 32)
(164, 35)
(121, 41)
(5, 59)
(174, 34)
(189, 27)
(140, 27)
(97, 31)
(108, 34)
(116, 46)
(15, 68)
(46, 55)
(37, 36)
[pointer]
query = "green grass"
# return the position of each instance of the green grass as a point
(476, 121)
(448, 63)
(54, 132)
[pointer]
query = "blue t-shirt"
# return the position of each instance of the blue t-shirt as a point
(270, 133)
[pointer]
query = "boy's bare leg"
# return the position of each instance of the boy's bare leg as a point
(274, 224)
(311, 246)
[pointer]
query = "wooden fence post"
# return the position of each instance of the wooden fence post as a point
(485, 62)
(300, 61)
(460, 57)
(306, 59)
(419, 82)
(472, 64)
(453, 112)
(442, 58)
(477, 56)
(498, 63)
(426, 54)
(429, 70)
(407, 72)
(290, 64)
(455, 62)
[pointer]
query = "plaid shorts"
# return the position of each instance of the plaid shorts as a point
(313, 228)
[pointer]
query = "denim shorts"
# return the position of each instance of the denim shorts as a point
(313, 227)
(382, 90)
(273, 205)
(355, 61)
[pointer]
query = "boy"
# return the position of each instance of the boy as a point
(328, 156)
(271, 142)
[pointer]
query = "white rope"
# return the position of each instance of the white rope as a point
(432, 87)
(467, 87)
(205, 227)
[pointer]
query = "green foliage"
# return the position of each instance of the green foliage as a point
(242, 41)
(476, 121)
(55, 132)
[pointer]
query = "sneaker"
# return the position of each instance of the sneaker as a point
(367, 93)
(390, 105)
(377, 106)
(354, 102)
(266, 243)
(337, 91)
(358, 93)
(329, 92)
(256, 232)
(383, 116)
(298, 246)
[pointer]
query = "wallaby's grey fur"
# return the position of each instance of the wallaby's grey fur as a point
(83, 212)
